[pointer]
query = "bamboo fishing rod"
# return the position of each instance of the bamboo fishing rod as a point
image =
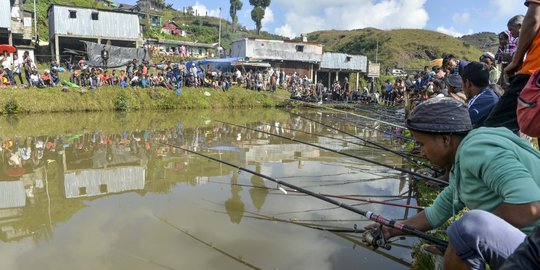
(417, 162)
(368, 214)
(439, 181)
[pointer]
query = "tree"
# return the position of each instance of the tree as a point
(257, 14)
(236, 5)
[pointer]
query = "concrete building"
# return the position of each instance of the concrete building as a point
(337, 66)
(288, 56)
(69, 25)
(15, 24)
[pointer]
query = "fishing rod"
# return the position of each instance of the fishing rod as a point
(238, 259)
(377, 129)
(377, 238)
(326, 136)
(439, 181)
(417, 162)
(358, 115)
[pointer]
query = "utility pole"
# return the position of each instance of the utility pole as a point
(377, 52)
(219, 39)
(35, 21)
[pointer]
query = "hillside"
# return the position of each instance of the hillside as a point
(403, 48)
(485, 41)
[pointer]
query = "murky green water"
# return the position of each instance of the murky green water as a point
(100, 191)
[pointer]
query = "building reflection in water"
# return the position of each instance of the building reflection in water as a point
(92, 164)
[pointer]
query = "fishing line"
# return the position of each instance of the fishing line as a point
(417, 162)
(439, 181)
(368, 214)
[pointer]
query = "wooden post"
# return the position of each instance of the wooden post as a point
(10, 42)
(57, 48)
(357, 80)
(329, 79)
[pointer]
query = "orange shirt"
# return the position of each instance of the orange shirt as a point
(532, 59)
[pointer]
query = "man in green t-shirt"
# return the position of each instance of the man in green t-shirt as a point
(492, 172)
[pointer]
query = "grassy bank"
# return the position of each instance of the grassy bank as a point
(48, 100)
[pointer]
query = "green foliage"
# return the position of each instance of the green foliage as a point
(236, 5)
(121, 102)
(257, 14)
(11, 107)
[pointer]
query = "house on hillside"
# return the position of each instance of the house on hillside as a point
(108, 3)
(68, 26)
(149, 13)
(338, 66)
(286, 56)
(15, 23)
(173, 29)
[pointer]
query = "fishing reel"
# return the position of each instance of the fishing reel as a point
(375, 239)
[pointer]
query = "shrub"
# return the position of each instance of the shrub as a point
(11, 107)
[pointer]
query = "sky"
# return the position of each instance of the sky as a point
(291, 18)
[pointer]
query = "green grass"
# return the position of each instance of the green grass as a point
(46, 100)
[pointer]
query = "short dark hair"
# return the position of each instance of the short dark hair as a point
(477, 73)
(447, 59)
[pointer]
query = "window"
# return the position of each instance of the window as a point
(82, 191)
(95, 16)
(103, 188)
(348, 59)
(300, 48)
(72, 14)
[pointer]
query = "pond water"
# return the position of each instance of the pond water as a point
(101, 191)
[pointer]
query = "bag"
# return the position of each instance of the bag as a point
(528, 107)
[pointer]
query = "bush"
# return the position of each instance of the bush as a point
(121, 103)
(11, 107)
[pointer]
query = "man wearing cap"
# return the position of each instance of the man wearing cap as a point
(492, 172)
(481, 97)
(455, 88)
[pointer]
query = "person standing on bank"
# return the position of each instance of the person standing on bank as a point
(526, 61)
(104, 56)
(492, 172)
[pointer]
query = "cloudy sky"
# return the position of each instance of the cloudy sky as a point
(293, 17)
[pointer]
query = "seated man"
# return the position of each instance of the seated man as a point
(491, 170)
(482, 99)
(46, 77)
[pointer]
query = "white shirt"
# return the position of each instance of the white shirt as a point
(6, 62)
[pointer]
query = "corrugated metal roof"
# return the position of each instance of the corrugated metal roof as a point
(12, 194)
(342, 61)
(5, 14)
(113, 25)
(116, 180)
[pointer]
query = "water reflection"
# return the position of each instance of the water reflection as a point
(106, 175)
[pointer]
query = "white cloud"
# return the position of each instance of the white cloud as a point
(268, 17)
(285, 30)
(461, 18)
(504, 9)
(451, 31)
(303, 16)
(202, 10)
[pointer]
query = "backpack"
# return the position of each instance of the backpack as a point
(528, 108)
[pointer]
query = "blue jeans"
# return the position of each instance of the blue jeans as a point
(481, 238)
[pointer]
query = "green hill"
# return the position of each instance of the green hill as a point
(403, 48)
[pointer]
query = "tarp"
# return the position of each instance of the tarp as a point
(118, 56)
(218, 62)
